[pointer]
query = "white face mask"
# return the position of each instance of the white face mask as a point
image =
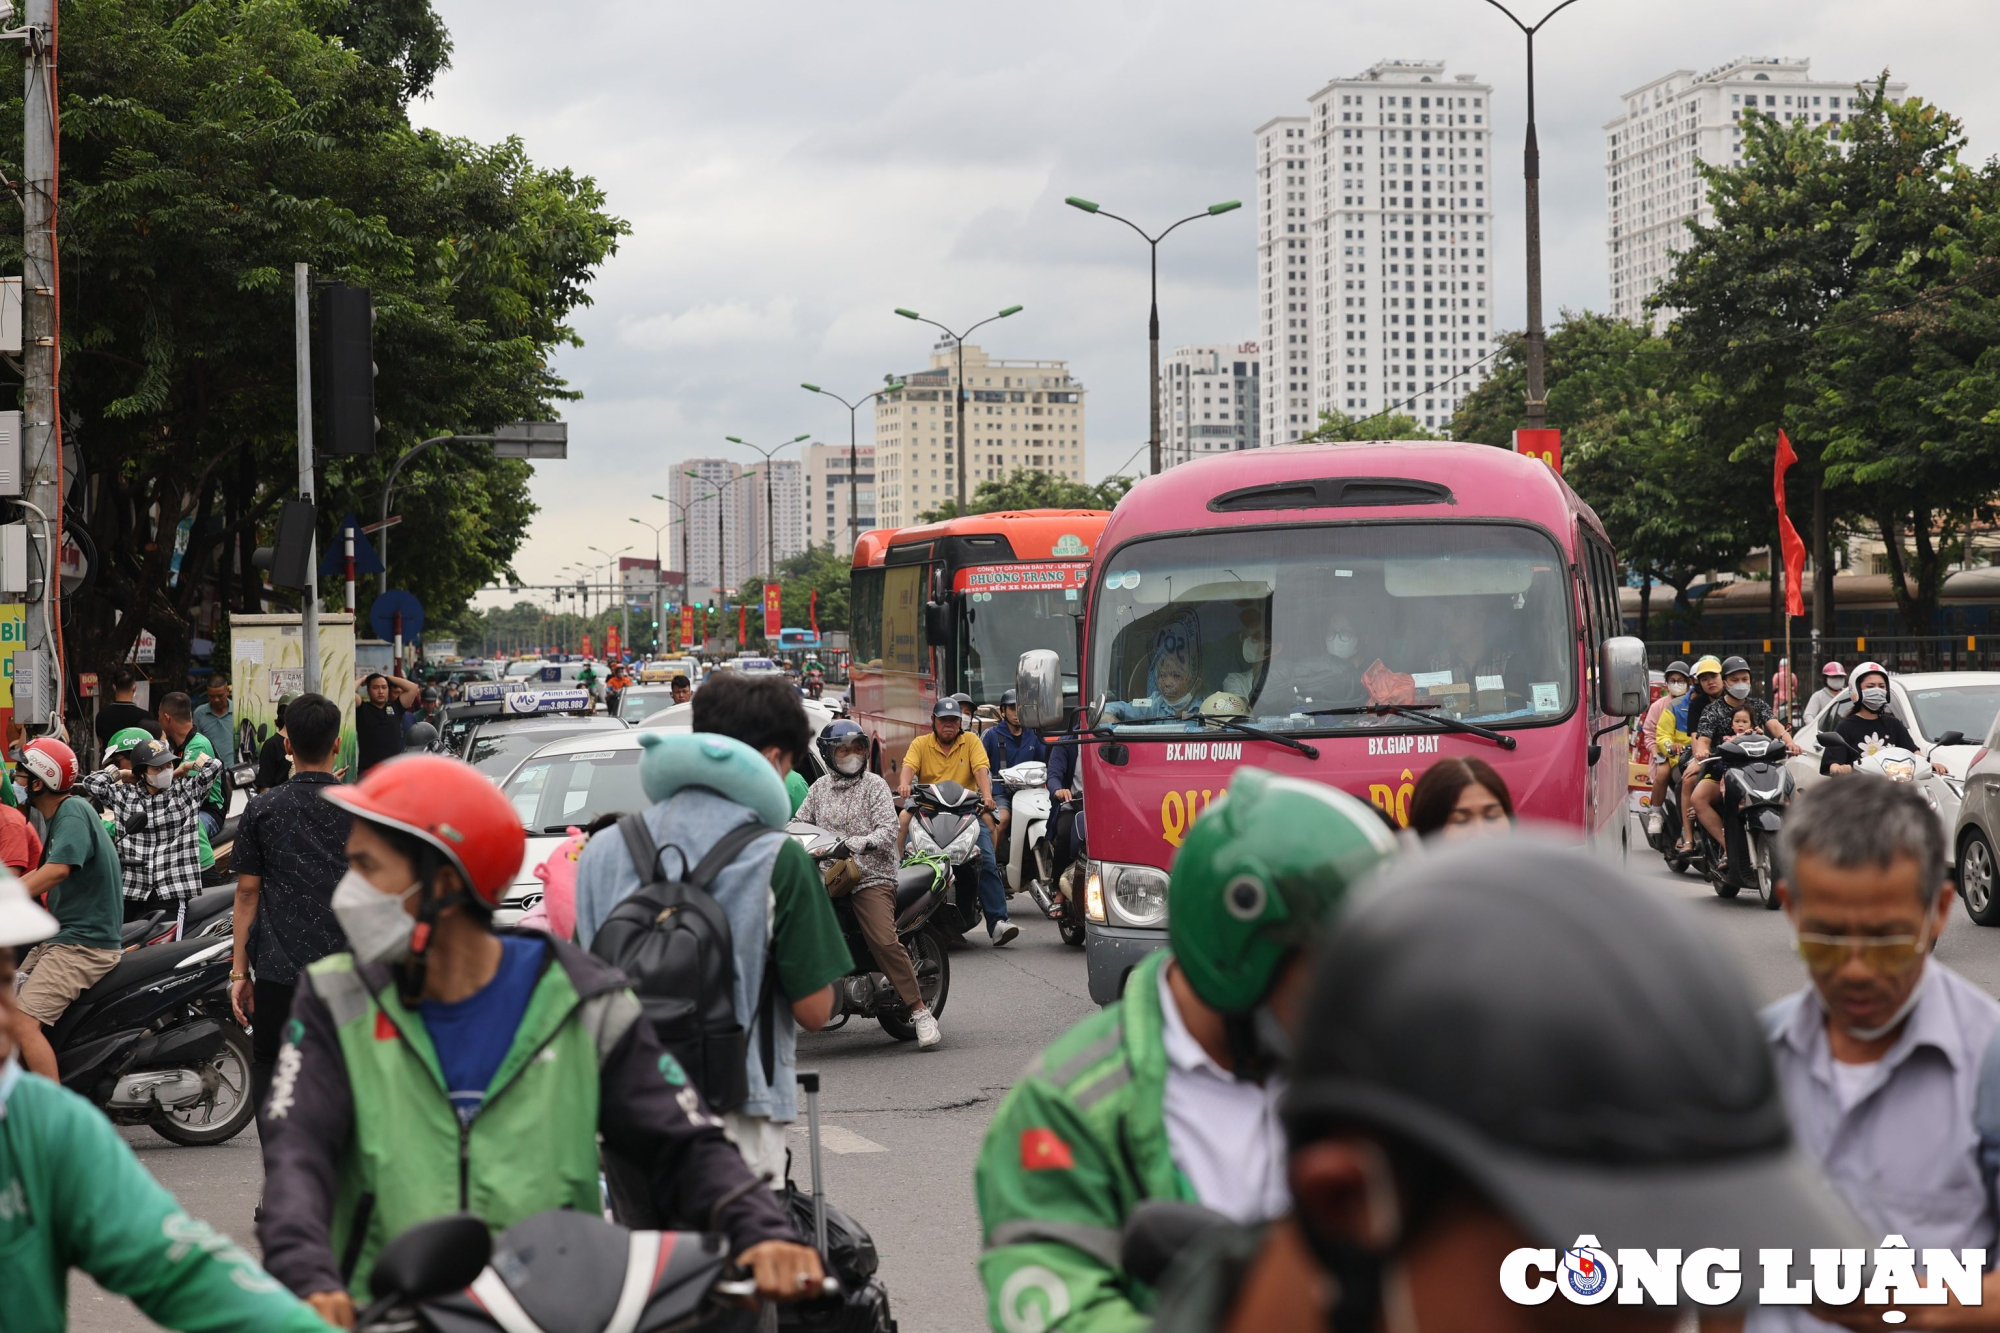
(1341, 645)
(378, 929)
(1874, 697)
(1253, 650)
(1677, 688)
(848, 765)
(1836, 683)
(159, 779)
(1739, 689)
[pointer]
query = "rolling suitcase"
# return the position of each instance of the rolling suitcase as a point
(845, 1247)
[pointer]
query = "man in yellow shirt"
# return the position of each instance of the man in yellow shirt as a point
(950, 753)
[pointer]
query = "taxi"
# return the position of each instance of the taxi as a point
(500, 724)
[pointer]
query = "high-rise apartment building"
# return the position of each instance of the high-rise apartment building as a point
(773, 520)
(1208, 401)
(1022, 414)
(827, 489)
(711, 496)
(1374, 223)
(1651, 148)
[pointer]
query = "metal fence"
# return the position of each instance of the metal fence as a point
(1961, 652)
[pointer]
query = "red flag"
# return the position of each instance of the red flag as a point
(742, 623)
(812, 610)
(1041, 1150)
(1788, 536)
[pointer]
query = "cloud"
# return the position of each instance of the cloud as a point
(733, 323)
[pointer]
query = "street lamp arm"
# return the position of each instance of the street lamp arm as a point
(389, 486)
(1195, 217)
(1150, 240)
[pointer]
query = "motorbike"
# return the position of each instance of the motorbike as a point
(1756, 788)
(1664, 842)
(556, 1272)
(865, 992)
(1027, 859)
(154, 1042)
(1070, 885)
(1885, 761)
(210, 914)
(944, 824)
(815, 684)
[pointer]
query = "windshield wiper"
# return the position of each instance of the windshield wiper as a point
(1415, 710)
(1290, 742)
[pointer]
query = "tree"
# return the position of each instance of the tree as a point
(1026, 488)
(1338, 427)
(206, 148)
(818, 569)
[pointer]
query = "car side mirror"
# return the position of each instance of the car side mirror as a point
(1038, 688)
(432, 1258)
(1624, 688)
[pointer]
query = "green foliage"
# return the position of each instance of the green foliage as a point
(818, 569)
(1026, 488)
(206, 148)
(1338, 427)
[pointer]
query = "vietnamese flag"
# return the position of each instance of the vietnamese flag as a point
(1788, 536)
(1041, 1150)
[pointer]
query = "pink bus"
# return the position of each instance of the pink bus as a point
(1349, 613)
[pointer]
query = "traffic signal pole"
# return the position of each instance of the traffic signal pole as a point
(302, 333)
(41, 441)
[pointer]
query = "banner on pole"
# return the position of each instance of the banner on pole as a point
(1788, 536)
(1546, 445)
(613, 645)
(687, 625)
(742, 624)
(586, 643)
(812, 611)
(774, 615)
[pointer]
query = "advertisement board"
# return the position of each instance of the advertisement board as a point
(267, 660)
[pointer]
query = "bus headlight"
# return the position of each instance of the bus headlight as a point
(1135, 895)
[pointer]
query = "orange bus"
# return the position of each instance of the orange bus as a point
(948, 608)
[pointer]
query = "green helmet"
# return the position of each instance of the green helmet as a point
(1259, 875)
(121, 741)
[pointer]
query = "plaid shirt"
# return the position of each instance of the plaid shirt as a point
(163, 859)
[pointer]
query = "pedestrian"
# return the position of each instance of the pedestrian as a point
(155, 803)
(1886, 1057)
(390, 1084)
(216, 719)
(1171, 1091)
(950, 753)
(380, 702)
(80, 874)
(177, 721)
(683, 690)
(855, 806)
(1785, 690)
(290, 853)
(1461, 797)
(1434, 1122)
(274, 761)
(779, 916)
(73, 1195)
(121, 712)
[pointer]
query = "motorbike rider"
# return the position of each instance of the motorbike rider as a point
(1009, 743)
(438, 1031)
(73, 1195)
(1172, 1091)
(1677, 679)
(1834, 683)
(1713, 730)
(1869, 721)
(855, 804)
(164, 854)
(1674, 736)
(949, 753)
(1433, 1129)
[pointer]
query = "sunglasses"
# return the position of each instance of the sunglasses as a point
(1886, 955)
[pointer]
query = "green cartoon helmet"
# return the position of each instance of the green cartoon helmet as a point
(1259, 875)
(124, 740)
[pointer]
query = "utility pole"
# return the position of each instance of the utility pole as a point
(41, 440)
(302, 333)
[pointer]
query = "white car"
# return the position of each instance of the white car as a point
(1949, 714)
(569, 783)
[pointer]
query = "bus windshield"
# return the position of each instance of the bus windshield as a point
(1286, 628)
(996, 627)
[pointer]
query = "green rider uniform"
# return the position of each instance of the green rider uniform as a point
(1081, 1138)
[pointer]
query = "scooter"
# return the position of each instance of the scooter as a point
(865, 992)
(944, 823)
(210, 914)
(1664, 841)
(1027, 860)
(154, 1043)
(1886, 761)
(1756, 788)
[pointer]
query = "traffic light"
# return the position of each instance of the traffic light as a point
(347, 363)
(290, 557)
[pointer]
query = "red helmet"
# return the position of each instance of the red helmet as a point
(51, 761)
(451, 806)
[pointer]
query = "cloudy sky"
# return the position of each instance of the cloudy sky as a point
(794, 171)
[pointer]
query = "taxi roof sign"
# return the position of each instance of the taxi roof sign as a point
(548, 701)
(485, 692)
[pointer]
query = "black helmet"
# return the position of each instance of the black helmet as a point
(841, 733)
(948, 706)
(1565, 1044)
(964, 700)
(1732, 665)
(428, 694)
(420, 736)
(1678, 667)
(1009, 699)
(151, 753)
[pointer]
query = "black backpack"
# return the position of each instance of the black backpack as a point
(673, 940)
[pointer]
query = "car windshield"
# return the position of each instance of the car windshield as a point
(1284, 628)
(1969, 709)
(495, 750)
(637, 704)
(516, 670)
(997, 626)
(553, 792)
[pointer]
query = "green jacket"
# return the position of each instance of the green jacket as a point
(72, 1195)
(197, 744)
(361, 1140)
(1079, 1140)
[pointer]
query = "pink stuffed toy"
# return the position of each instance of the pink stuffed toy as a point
(556, 912)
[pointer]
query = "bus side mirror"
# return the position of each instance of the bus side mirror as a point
(1038, 688)
(1623, 685)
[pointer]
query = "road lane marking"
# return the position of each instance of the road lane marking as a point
(835, 1139)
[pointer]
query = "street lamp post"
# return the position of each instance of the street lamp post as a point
(657, 530)
(610, 560)
(1531, 174)
(721, 560)
(853, 485)
(687, 574)
(516, 439)
(1153, 321)
(964, 396)
(770, 501)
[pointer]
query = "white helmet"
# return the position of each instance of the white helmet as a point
(21, 921)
